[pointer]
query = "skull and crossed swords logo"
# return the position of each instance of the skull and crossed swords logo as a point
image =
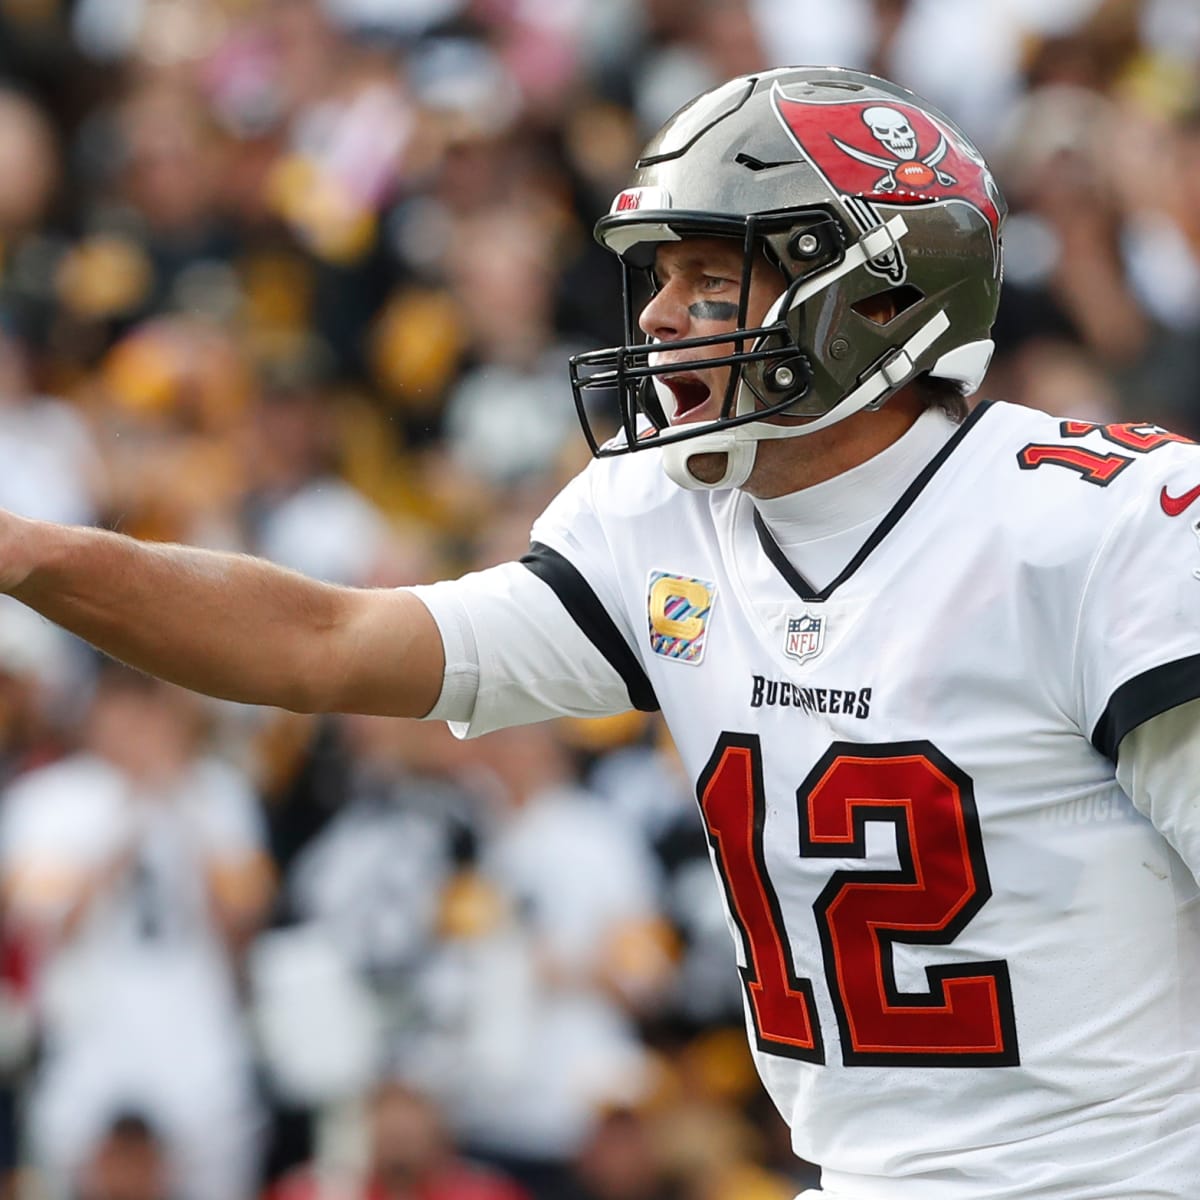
(895, 133)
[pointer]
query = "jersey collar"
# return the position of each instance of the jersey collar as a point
(876, 480)
(863, 493)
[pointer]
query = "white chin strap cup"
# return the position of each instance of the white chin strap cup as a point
(739, 456)
(740, 444)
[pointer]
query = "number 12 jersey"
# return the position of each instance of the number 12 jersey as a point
(970, 961)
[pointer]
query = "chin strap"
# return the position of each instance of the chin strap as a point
(740, 444)
(739, 459)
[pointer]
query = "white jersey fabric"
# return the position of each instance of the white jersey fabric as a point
(971, 962)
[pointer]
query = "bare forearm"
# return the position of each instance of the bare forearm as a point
(227, 625)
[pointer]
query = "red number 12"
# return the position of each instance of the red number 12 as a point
(965, 1018)
(1091, 465)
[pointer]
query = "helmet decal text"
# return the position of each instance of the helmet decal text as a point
(637, 198)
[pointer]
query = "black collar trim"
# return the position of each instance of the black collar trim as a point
(800, 585)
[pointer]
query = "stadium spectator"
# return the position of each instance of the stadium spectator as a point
(135, 870)
(130, 1162)
(410, 1155)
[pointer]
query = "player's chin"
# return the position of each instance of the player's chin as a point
(695, 417)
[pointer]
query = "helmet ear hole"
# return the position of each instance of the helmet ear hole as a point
(884, 307)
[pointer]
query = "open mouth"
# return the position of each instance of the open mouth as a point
(690, 394)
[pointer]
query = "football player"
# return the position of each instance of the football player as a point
(934, 674)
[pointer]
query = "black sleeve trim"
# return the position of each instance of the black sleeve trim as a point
(1145, 696)
(589, 614)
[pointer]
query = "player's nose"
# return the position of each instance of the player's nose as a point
(665, 316)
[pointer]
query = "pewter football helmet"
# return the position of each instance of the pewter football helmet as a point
(852, 186)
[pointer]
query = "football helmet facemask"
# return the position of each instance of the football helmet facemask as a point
(852, 187)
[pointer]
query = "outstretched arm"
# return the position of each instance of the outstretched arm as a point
(228, 625)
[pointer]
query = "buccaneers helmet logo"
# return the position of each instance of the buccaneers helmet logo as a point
(894, 132)
(891, 153)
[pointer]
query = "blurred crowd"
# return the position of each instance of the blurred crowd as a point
(299, 278)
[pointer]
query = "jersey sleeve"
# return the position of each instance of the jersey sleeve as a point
(540, 638)
(1159, 768)
(1137, 648)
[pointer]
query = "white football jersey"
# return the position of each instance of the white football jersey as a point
(971, 965)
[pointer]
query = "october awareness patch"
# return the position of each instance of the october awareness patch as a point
(678, 608)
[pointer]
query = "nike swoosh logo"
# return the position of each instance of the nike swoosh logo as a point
(1174, 505)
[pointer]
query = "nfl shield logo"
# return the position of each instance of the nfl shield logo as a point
(805, 637)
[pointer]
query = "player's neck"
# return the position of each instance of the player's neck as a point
(792, 464)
